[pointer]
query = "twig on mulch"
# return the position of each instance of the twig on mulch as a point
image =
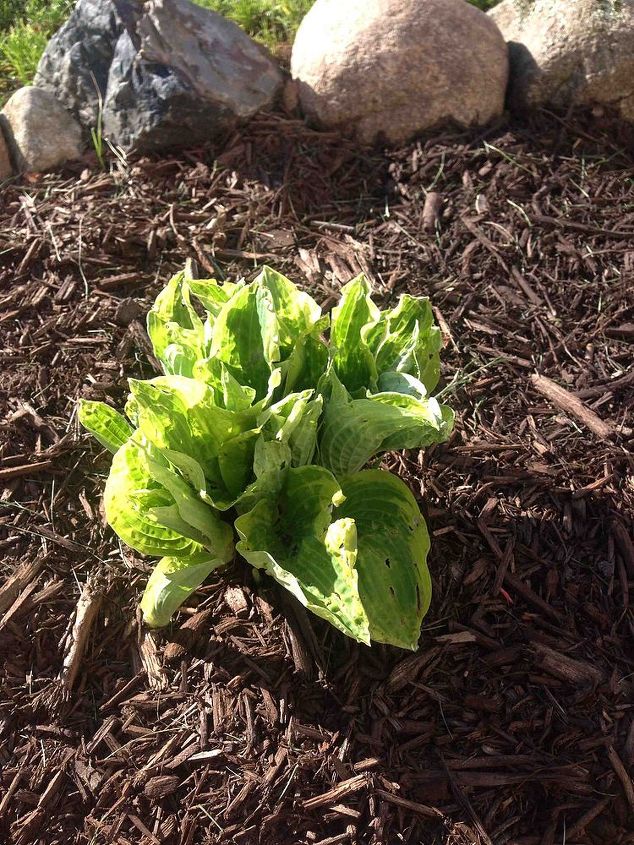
(150, 658)
(570, 404)
(21, 578)
(623, 776)
(85, 615)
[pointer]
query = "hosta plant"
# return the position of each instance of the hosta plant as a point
(255, 439)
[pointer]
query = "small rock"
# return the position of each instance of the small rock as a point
(6, 168)
(237, 601)
(127, 311)
(386, 70)
(567, 53)
(41, 133)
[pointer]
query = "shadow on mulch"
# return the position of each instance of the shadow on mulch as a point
(249, 721)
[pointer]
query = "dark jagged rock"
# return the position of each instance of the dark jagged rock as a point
(76, 63)
(169, 73)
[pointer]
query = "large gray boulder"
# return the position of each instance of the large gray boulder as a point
(386, 70)
(177, 74)
(40, 132)
(567, 53)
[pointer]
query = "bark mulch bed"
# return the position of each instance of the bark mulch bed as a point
(248, 721)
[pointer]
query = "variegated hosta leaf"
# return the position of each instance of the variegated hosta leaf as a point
(354, 555)
(180, 414)
(260, 326)
(108, 426)
(297, 313)
(215, 534)
(406, 340)
(351, 356)
(294, 539)
(171, 583)
(308, 360)
(133, 498)
(175, 329)
(392, 538)
(245, 337)
(355, 430)
(211, 295)
(228, 392)
(294, 420)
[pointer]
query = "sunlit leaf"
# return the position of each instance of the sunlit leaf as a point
(294, 541)
(108, 426)
(171, 583)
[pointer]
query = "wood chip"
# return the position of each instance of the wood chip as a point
(570, 404)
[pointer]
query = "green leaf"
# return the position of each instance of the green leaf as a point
(171, 583)
(294, 540)
(215, 534)
(393, 543)
(211, 295)
(391, 382)
(228, 392)
(406, 340)
(181, 414)
(235, 461)
(296, 311)
(109, 427)
(355, 430)
(175, 329)
(132, 499)
(352, 358)
(294, 420)
(245, 337)
(307, 362)
(271, 459)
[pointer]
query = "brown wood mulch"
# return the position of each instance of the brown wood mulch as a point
(247, 721)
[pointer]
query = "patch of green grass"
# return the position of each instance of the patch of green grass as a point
(25, 27)
(485, 5)
(270, 21)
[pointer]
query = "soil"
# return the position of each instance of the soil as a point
(247, 721)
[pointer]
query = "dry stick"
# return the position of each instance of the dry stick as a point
(621, 773)
(406, 804)
(589, 816)
(625, 545)
(149, 654)
(18, 603)
(606, 386)
(346, 787)
(87, 608)
(570, 404)
(20, 579)
(571, 671)
(545, 220)
(25, 469)
(431, 211)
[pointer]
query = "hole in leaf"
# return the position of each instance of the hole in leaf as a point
(387, 562)
(392, 592)
(418, 601)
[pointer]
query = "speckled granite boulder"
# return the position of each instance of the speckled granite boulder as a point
(569, 53)
(386, 70)
(40, 132)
